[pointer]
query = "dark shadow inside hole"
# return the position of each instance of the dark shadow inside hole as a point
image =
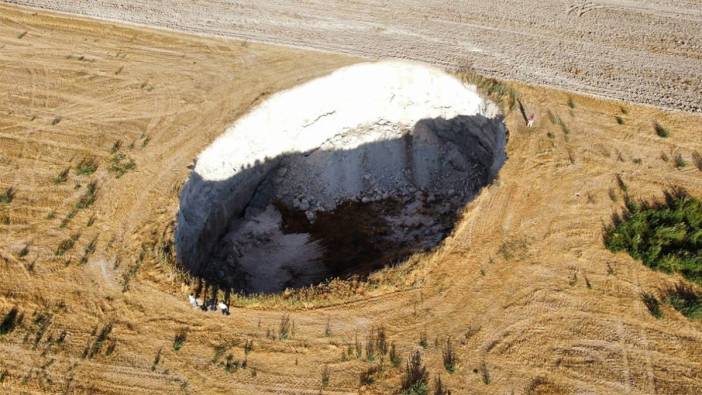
(264, 229)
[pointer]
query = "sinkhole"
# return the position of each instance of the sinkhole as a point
(338, 177)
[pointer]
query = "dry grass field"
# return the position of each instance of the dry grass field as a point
(99, 124)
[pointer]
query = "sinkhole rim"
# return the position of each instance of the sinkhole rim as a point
(425, 94)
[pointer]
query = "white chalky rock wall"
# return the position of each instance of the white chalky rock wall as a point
(354, 107)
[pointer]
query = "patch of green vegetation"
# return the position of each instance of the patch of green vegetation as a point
(619, 119)
(8, 196)
(571, 103)
(666, 235)
(680, 161)
(87, 166)
(684, 299)
(120, 164)
(66, 245)
(416, 377)
(88, 198)
(180, 337)
(448, 355)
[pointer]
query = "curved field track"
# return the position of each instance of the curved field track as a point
(645, 51)
(524, 288)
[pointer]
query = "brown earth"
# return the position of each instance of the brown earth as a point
(524, 286)
(644, 51)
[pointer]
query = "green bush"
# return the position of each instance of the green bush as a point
(666, 235)
(684, 299)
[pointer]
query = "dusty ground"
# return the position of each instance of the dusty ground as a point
(646, 51)
(510, 287)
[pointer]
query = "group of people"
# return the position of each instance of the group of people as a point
(210, 304)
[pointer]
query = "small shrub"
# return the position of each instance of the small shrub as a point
(367, 377)
(684, 299)
(448, 355)
(416, 377)
(248, 346)
(88, 198)
(357, 347)
(484, 373)
(370, 346)
(440, 388)
(571, 103)
(619, 119)
(121, 164)
(24, 251)
(65, 246)
(660, 130)
(423, 341)
(100, 339)
(86, 166)
(394, 355)
(68, 218)
(680, 161)
(157, 359)
(284, 327)
(180, 337)
(652, 304)
(10, 321)
(116, 146)
(21, 35)
(327, 329)
(325, 376)
(56, 120)
(8, 196)
(62, 176)
(231, 364)
(697, 160)
(622, 185)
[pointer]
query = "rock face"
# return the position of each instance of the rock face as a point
(405, 144)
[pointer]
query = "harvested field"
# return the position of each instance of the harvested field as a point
(642, 51)
(524, 287)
